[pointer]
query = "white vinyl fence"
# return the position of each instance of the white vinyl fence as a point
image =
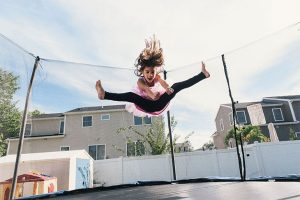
(262, 159)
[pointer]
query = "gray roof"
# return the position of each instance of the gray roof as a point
(242, 105)
(291, 97)
(97, 108)
(41, 116)
(263, 103)
(245, 104)
(82, 109)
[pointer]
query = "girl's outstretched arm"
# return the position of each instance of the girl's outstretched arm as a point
(165, 85)
(142, 85)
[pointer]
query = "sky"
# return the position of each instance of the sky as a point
(112, 33)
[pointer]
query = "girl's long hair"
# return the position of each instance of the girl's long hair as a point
(151, 56)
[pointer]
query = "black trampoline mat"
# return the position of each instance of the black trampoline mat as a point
(208, 191)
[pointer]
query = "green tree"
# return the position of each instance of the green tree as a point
(2, 145)
(35, 113)
(292, 134)
(208, 146)
(9, 114)
(155, 136)
(249, 134)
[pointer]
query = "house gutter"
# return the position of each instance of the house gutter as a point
(282, 123)
(268, 105)
(37, 138)
(94, 111)
(46, 118)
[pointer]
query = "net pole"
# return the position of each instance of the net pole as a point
(171, 139)
(22, 130)
(234, 123)
(243, 156)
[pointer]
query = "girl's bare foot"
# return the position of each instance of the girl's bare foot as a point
(204, 71)
(100, 90)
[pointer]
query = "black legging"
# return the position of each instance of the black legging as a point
(154, 105)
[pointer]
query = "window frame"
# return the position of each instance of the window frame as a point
(280, 114)
(237, 119)
(60, 127)
(97, 150)
(30, 132)
(134, 117)
(221, 125)
(142, 121)
(230, 116)
(132, 142)
(150, 118)
(103, 119)
(82, 125)
(135, 148)
(63, 147)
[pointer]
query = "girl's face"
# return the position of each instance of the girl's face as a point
(149, 74)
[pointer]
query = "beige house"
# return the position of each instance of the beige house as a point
(93, 129)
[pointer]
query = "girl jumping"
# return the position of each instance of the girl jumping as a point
(153, 94)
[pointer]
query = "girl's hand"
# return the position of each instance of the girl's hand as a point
(154, 95)
(169, 90)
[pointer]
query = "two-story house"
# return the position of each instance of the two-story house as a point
(282, 112)
(91, 128)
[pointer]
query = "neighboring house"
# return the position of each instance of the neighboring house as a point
(183, 147)
(280, 112)
(91, 128)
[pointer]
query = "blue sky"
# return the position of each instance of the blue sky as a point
(112, 33)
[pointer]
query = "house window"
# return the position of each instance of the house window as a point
(105, 117)
(140, 148)
(241, 117)
(130, 148)
(64, 148)
(62, 127)
(138, 120)
(277, 113)
(230, 119)
(87, 121)
(147, 120)
(135, 148)
(142, 120)
(97, 152)
(297, 134)
(221, 125)
(28, 129)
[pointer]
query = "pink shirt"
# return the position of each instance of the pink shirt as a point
(137, 111)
